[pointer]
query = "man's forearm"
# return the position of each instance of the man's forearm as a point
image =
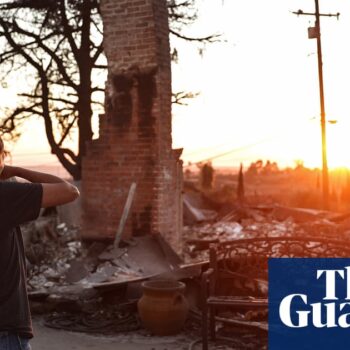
(32, 176)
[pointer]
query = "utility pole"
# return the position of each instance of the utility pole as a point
(315, 33)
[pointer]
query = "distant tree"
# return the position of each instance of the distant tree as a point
(207, 176)
(55, 48)
(240, 187)
(299, 165)
(255, 168)
(274, 167)
(270, 168)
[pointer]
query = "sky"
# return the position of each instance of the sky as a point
(259, 96)
(259, 89)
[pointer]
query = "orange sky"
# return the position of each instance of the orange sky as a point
(259, 88)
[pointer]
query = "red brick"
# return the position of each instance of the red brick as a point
(133, 152)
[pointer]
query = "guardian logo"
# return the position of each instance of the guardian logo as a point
(309, 304)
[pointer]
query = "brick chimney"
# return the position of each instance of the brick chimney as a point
(135, 143)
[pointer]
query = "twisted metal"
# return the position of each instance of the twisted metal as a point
(97, 323)
(251, 255)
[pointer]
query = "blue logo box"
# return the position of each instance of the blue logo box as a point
(309, 304)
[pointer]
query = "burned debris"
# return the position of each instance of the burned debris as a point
(153, 255)
(95, 287)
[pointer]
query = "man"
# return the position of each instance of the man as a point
(21, 202)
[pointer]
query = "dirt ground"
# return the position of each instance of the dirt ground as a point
(52, 339)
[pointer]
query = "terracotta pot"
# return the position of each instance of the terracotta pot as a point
(163, 307)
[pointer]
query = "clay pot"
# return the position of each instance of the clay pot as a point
(163, 308)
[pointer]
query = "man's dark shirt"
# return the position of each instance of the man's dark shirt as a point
(19, 203)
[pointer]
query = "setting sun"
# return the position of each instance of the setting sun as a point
(259, 90)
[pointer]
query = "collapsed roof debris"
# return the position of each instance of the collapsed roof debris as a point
(263, 221)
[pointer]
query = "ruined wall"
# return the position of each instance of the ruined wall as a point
(135, 141)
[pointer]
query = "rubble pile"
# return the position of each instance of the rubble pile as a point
(272, 221)
(66, 275)
(57, 258)
(81, 287)
(50, 248)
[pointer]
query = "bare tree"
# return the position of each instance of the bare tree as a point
(53, 40)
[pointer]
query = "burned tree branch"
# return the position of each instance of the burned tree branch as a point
(97, 54)
(181, 97)
(67, 29)
(206, 39)
(49, 98)
(51, 53)
(66, 133)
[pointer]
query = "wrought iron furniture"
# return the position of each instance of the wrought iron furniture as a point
(248, 259)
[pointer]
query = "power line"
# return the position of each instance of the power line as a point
(277, 133)
(203, 149)
(230, 152)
